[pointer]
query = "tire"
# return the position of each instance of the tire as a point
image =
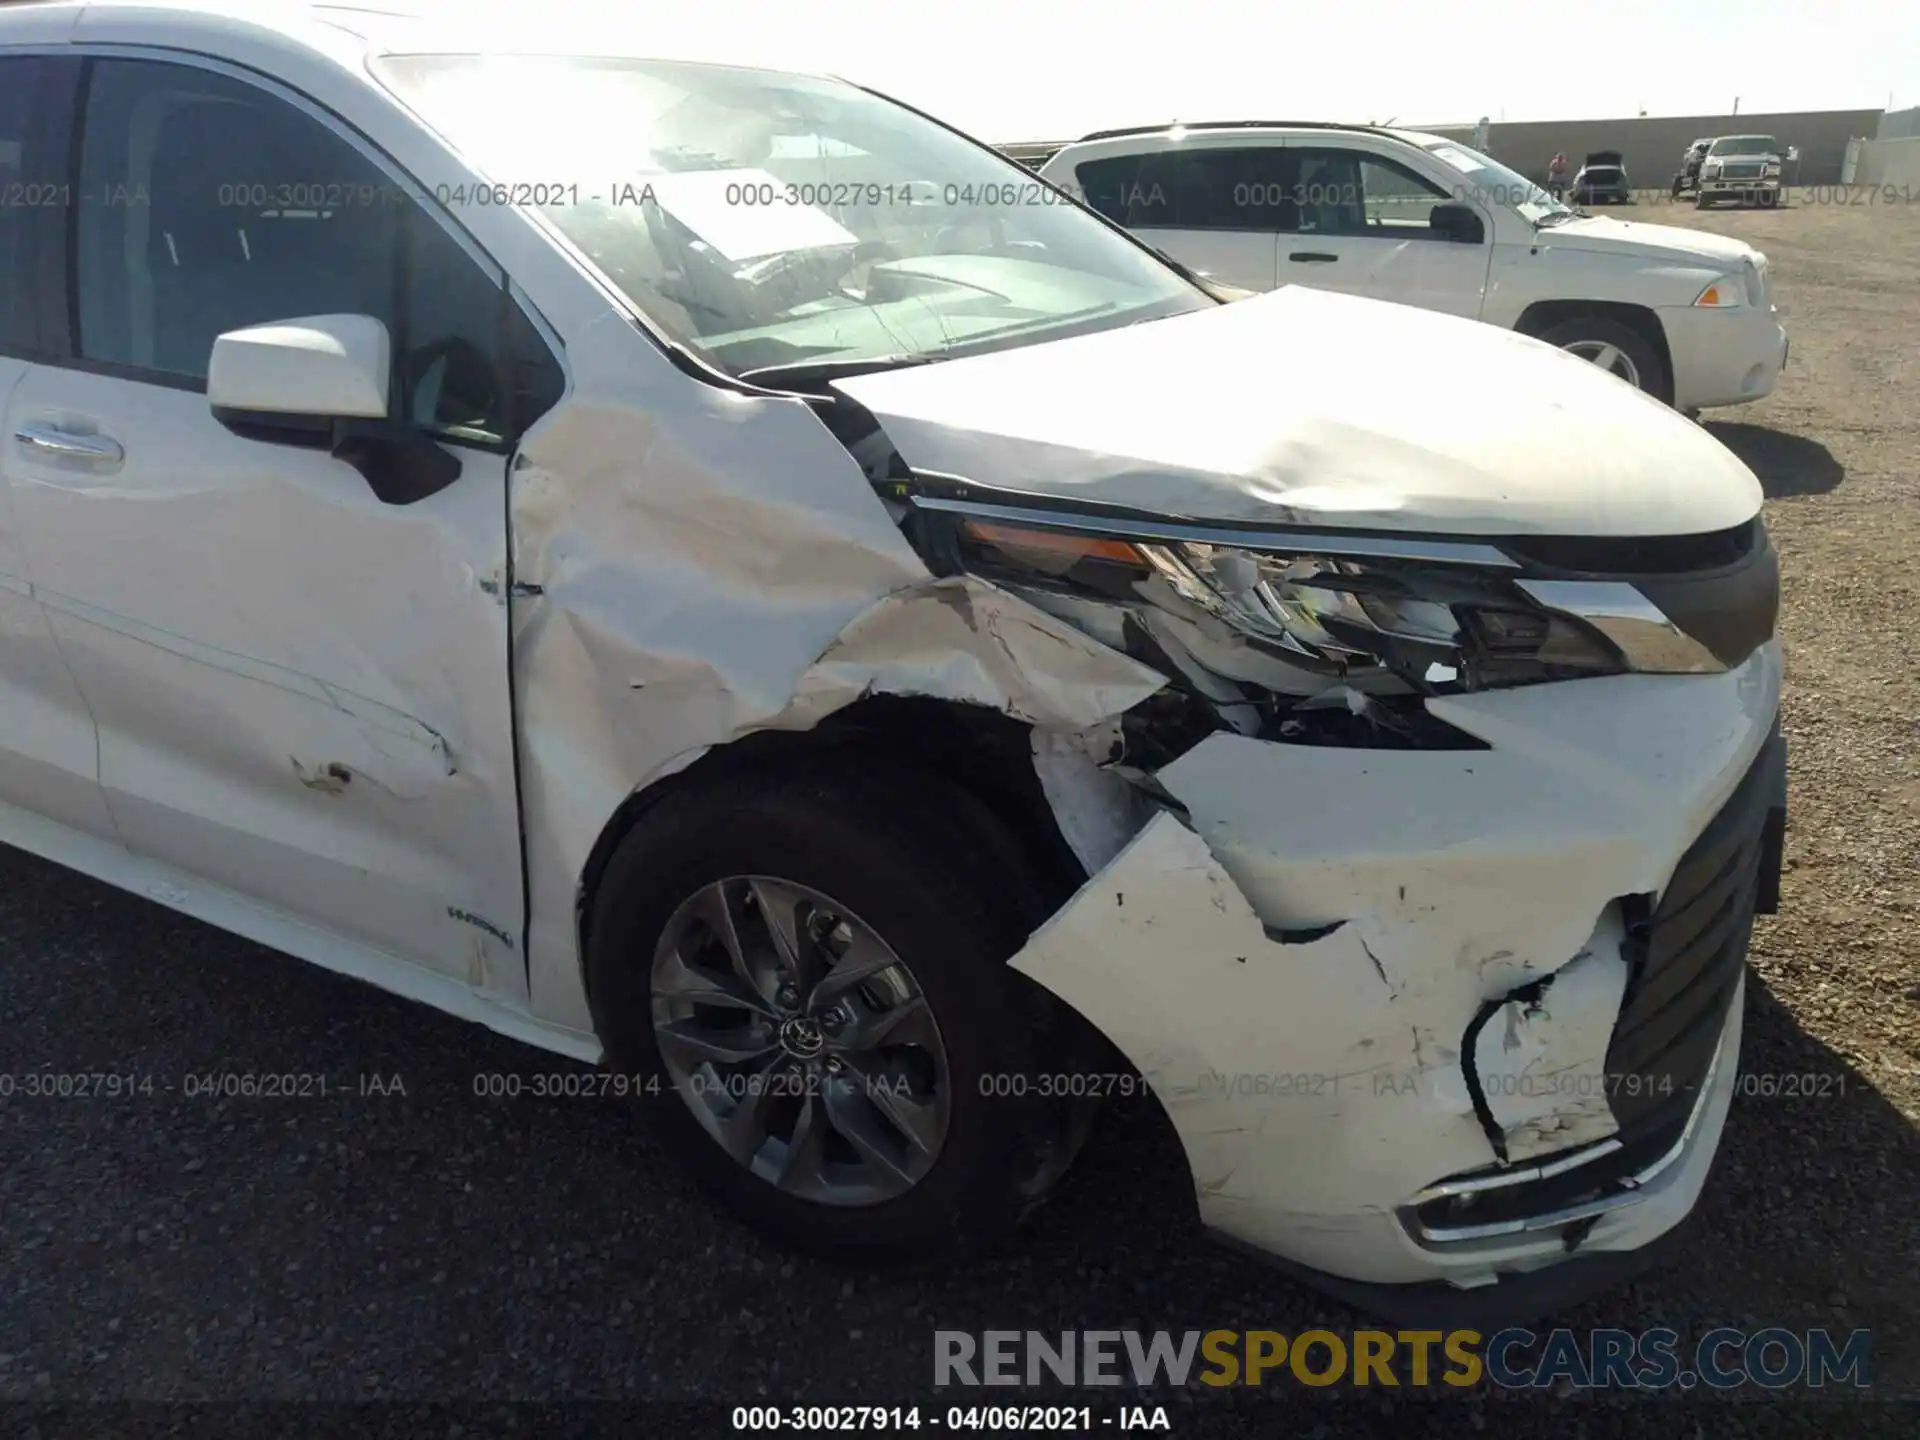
(940, 881)
(1701, 202)
(1584, 331)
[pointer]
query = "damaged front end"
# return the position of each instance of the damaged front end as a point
(1433, 959)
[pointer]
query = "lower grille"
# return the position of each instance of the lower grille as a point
(1686, 960)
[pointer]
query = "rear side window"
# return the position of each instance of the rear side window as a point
(207, 204)
(36, 111)
(1213, 188)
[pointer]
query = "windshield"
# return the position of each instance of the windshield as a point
(766, 220)
(1745, 145)
(1492, 183)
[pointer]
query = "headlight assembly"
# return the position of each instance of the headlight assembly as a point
(1417, 625)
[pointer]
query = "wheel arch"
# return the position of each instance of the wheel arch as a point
(1543, 315)
(983, 750)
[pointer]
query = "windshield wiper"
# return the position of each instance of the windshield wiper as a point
(804, 372)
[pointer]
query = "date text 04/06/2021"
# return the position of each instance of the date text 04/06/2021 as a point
(992, 1419)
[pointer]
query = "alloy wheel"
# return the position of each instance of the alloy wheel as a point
(800, 1041)
(1610, 358)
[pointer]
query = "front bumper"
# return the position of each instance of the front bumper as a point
(1751, 192)
(1723, 357)
(1360, 977)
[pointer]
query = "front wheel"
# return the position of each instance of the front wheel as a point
(1616, 348)
(808, 974)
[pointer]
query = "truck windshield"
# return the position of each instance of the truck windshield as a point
(777, 222)
(1745, 145)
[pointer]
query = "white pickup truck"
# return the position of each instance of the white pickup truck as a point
(1684, 315)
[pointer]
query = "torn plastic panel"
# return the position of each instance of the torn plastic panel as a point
(1404, 964)
(1538, 1054)
(1097, 807)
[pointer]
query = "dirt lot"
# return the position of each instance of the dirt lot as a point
(434, 1246)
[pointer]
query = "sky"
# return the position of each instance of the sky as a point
(1010, 70)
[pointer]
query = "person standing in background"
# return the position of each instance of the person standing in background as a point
(1557, 176)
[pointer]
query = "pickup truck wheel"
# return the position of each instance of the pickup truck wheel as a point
(1701, 202)
(805, 976)
(1614, 347)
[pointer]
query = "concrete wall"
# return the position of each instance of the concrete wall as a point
(1651, 148)
(1899, 124)
(1890, 162)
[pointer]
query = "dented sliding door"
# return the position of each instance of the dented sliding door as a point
(301, 691)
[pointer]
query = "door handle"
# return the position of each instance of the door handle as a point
(60, 444)
(1312, 257)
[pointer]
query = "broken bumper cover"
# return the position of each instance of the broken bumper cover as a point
(1447, 1016)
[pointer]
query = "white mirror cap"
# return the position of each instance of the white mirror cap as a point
(315, 365)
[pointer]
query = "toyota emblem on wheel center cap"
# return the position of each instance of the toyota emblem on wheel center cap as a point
(801, 1037)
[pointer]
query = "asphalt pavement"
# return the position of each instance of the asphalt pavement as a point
(375, 1229)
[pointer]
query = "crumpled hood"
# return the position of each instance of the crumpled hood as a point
(1312, 408)
(1608, 236)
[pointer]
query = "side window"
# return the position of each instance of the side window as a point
(206, 205)
(1107, 184)
(1326, 188)
(1211, 188)
(1399, 203)
(36, 107)
(1349, 192)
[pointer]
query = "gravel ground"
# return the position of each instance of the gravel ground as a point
(434, 1246)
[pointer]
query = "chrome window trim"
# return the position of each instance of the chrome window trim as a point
(1315, 542)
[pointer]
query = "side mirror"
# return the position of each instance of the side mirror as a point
(1458, 223)
(321, 382)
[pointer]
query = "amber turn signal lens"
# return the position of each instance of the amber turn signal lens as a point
(1046, 542)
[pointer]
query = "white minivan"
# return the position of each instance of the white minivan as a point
(706, 570)
(1398, 215)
